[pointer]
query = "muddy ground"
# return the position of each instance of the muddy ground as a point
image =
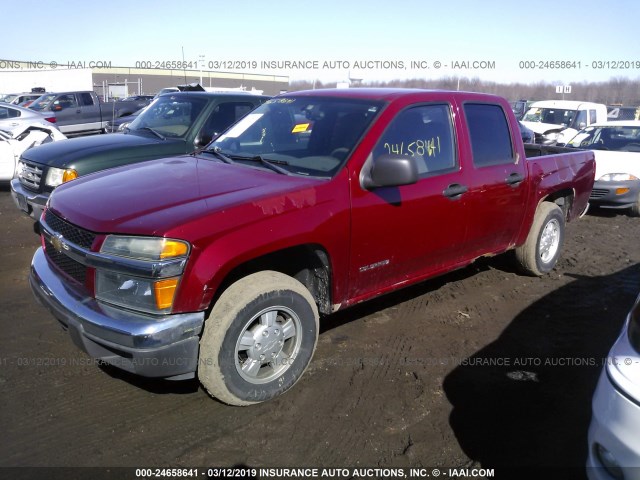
(401, 381)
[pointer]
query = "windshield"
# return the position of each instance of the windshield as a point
(169, 116)
(8, 98)
(304, 135)
(42, 102)
(555, 116)
(623, 139)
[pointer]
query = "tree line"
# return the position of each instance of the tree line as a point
(616, 91)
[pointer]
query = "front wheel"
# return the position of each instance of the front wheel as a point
(540, 252)
(258, 339)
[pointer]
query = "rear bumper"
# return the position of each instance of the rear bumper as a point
(151, 346)
(29, 202)
(606, 194)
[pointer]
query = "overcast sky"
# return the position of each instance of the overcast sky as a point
(385, 36)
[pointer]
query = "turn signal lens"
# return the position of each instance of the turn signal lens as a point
(69, 174)
(165, 291)
(173, 248)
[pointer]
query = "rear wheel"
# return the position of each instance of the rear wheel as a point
(540, 252)
(258, 339)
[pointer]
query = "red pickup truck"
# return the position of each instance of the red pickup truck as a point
(219, 263)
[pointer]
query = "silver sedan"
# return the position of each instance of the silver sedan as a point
(13, 117)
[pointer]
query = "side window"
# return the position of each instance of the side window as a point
(489, 132)
(8, 113)
(65, 101)
(592, 117)
(223, 116)
(86, 99)
(424, 133)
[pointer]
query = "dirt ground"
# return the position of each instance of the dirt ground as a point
(480, 368)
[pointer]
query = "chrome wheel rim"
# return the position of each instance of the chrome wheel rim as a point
(549, 241)
(268, 345)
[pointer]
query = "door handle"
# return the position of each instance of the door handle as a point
(455, 190)
(514, 179)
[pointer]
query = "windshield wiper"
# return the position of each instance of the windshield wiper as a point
(270, 164)
(160, 136)
(216, 151)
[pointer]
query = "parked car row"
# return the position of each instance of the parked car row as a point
(225, 258)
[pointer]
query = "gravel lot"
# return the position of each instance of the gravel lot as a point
(479, 368)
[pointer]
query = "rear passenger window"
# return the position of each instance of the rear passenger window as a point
(424, 133)
(489, 132)
(86, 99)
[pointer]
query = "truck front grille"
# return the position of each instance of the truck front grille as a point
(598, 192)
(75, 270)
(82, 238)
(31, 175)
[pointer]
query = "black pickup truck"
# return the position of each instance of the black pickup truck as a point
(174, 124)
(80, 112)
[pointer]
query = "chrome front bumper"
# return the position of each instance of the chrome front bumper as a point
(152, 346)
(29, 202)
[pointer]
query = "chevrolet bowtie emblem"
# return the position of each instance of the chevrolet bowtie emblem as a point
(57, 241)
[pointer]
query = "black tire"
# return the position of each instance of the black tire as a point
(539, 253)
(263, 316)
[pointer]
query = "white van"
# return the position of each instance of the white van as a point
(558, 121)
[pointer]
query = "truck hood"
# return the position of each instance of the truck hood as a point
(155, 197)
(608, 161)
(68, 153)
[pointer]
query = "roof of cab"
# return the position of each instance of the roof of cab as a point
(386, 94)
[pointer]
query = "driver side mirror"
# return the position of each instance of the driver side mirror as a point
(203, 139)
(581, 125)
(391, 171)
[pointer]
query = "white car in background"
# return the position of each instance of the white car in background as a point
(14, 143)
(617, 150)
(557, 121)
(614, 434)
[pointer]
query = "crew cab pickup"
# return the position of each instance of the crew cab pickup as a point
(219, 263)
(80, 112)
(174, 124)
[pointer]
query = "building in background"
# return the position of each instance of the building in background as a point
(119, 82)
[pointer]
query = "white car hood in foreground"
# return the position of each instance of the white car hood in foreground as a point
(617, 162)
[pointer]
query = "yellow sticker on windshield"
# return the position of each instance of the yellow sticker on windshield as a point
(301, 127)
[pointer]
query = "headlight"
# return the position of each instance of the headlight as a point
(552, 136)
(144, 248)
(144, 294)
(57, 176)
(122, 127)
(166, 256)
(617, 177)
